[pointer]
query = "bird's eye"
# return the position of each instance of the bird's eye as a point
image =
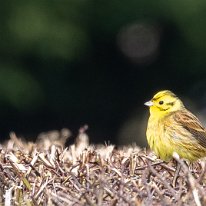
(161, 102)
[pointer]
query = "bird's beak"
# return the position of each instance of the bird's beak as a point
(149, 103)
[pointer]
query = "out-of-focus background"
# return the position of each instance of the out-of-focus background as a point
(76, 62)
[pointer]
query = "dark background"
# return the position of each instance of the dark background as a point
(76, 62)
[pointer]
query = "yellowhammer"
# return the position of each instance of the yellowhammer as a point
(172, 128)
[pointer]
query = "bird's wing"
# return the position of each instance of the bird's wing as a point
(192, 124)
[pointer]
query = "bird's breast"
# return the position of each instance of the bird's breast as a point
(157, 139)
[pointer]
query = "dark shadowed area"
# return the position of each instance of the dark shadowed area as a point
(64, 64)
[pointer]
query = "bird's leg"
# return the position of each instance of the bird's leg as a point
(177, 171)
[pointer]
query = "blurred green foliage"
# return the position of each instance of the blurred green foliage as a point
(61, 65)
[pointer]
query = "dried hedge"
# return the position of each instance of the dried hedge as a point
(48, 173)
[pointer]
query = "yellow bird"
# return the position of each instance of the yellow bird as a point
(172, 128)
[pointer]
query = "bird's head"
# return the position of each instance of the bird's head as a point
(163, 103)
